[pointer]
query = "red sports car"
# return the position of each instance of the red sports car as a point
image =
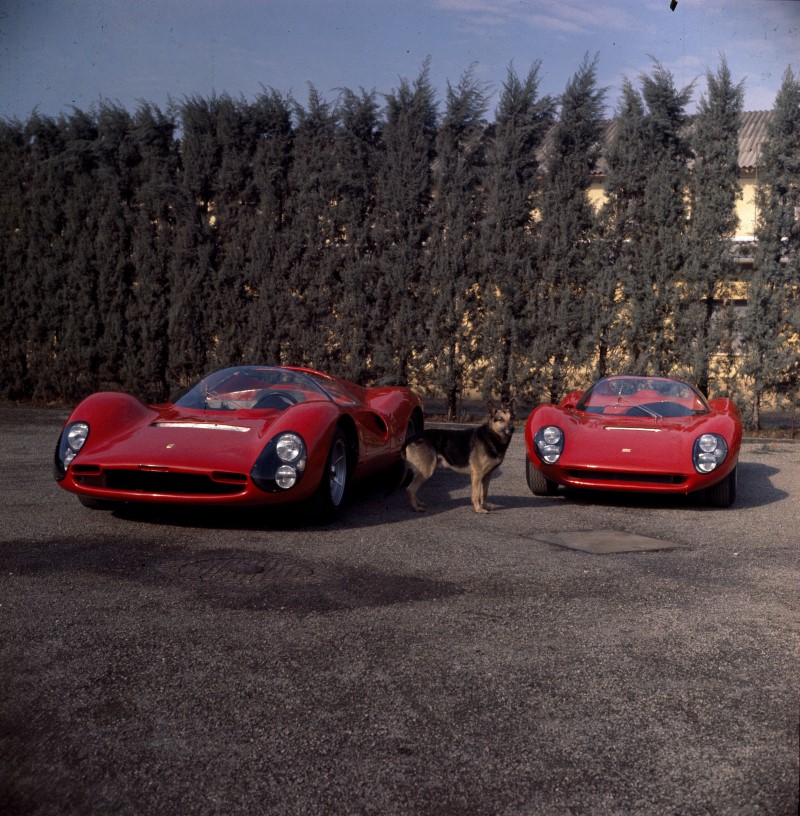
(249, 435)
(646, 434)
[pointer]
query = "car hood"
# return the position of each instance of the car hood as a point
(635, 442)
(179, 439)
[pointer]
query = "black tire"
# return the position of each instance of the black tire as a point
(332, 490)
(539, 484)
(412, 431)
(723, 494)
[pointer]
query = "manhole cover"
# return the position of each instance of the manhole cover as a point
(603, 542)
(240, 570)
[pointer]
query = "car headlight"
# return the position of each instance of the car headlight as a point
(709, 452)
(281, 464)
(549, 444)
(72, 439)
(289, 447)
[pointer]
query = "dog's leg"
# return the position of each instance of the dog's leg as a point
(478, 492)
(416, 483)
(485, 490)
(421, 459)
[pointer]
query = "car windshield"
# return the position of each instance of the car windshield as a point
(334, 388)
(254, 388)
(654, 397)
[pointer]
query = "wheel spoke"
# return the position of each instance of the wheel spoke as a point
(338, 473)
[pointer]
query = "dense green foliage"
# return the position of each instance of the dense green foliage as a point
(770, 329)
(714, 190)
(388, 241)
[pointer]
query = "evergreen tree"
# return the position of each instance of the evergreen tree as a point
(315, 232)
(402, 226)
(448, 292)
(194, 262)
(653, 219)
(507, 229)
(714, 188)
(560, 308)
(240, 131)
(76, 330)
(267, 270)
(154, 205)
(114, 215)
(14, 309)
(43, 286)
(603, 255)
(621, 224)
(357, 159)
(770, 328)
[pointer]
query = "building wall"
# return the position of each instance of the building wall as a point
(745, 206)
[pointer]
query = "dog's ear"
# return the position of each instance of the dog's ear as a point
(510, 405)
(491, 408)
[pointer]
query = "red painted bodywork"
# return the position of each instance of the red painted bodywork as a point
(633, 453)
(223, 445)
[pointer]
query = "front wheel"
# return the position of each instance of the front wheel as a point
(332, 488)
(723, 494)
(539, 484)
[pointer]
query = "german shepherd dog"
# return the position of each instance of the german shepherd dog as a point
(477, 451)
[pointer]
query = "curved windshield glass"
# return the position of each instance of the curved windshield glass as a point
(254, 388)
(655, 397)
(334, 388)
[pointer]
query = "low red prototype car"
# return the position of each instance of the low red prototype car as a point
(243, 436)
(645, 434)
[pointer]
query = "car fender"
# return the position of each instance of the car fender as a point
(110, 414)
(315, 422)
(397, 406)
(545, 414)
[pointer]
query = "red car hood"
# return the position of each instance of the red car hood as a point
(635, 443)
(178, 439)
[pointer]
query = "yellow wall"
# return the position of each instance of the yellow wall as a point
(745, 206)
(597, 194)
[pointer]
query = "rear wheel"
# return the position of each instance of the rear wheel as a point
(412, 430)
(332, 488)
(539, 484)
(723, 494)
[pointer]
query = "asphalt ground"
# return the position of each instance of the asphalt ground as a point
(399, 663)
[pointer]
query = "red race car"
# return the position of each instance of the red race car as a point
(645, 434)
(243, 436)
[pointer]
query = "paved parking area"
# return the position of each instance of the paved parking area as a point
(394, 662)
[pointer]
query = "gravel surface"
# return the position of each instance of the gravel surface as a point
(399, 663)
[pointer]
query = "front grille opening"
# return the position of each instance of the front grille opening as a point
(628, 478)
(232, 478)
(174, 484)
(86, 470)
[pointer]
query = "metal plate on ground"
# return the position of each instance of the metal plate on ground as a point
(606, 542)
(241, 569)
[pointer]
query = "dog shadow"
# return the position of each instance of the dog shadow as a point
(446, 490)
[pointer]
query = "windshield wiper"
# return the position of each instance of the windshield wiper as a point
(644, 408)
